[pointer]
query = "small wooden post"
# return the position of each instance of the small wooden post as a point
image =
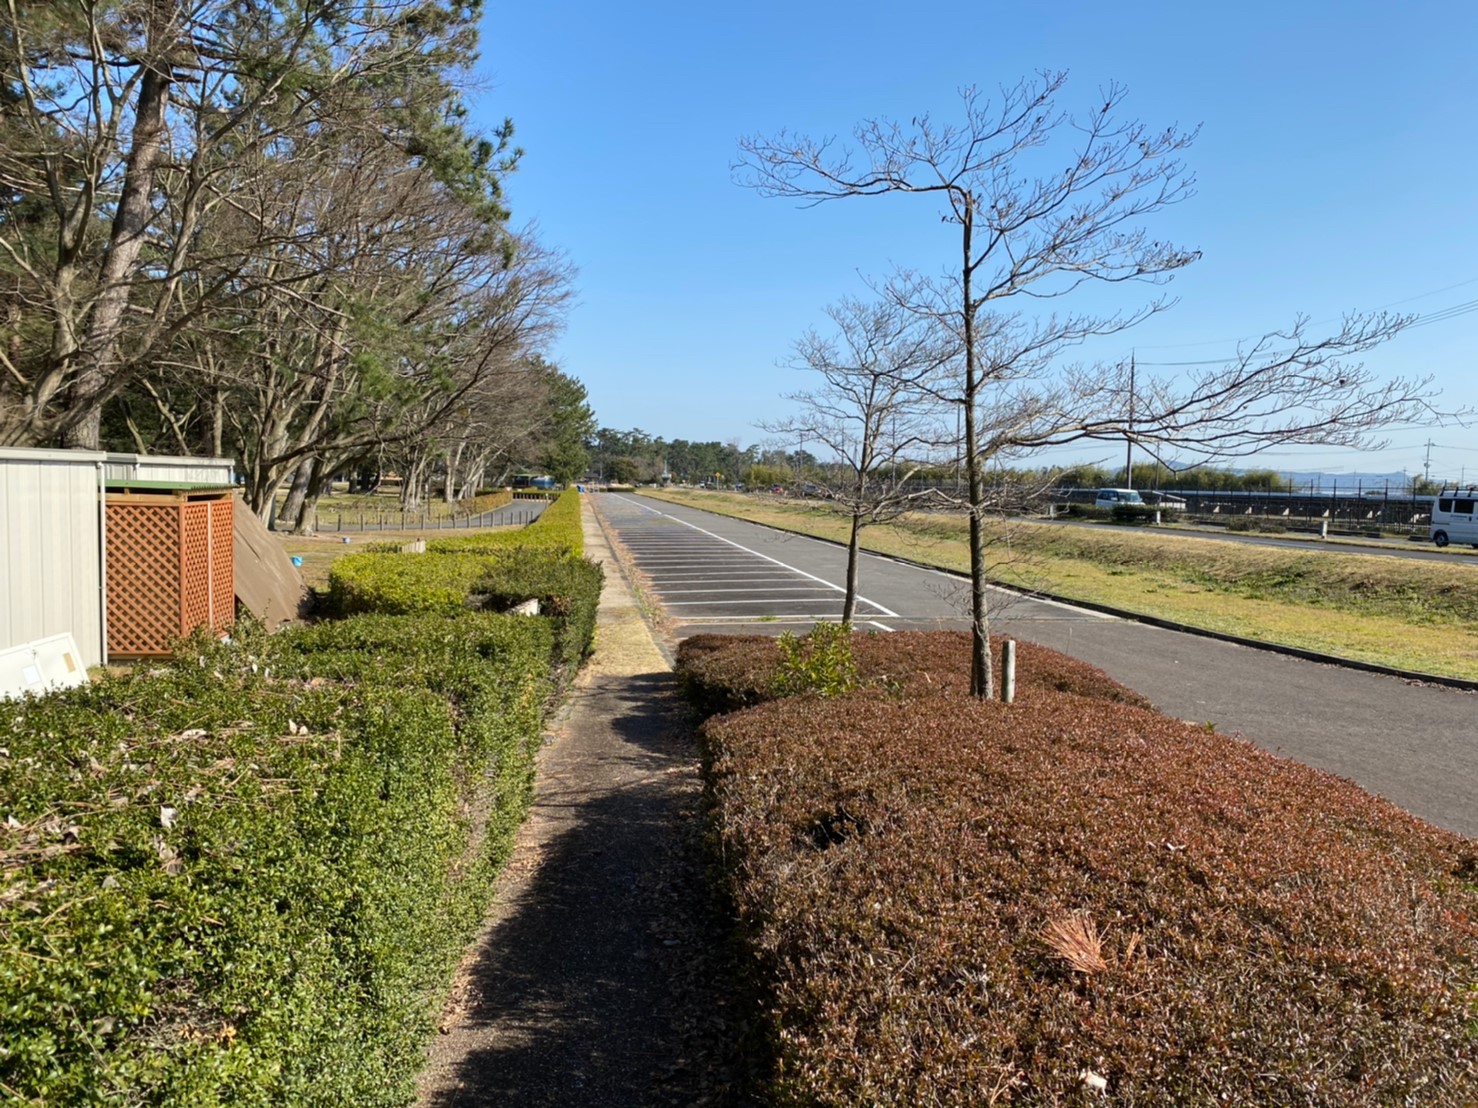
(1008, 671)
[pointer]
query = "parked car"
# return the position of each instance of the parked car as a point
(1455, 517)
(1112, 498)
(778, 490)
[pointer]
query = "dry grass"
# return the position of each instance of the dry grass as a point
(1415, 615)
(1074, 938)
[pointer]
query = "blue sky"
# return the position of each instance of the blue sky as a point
(1337, 169)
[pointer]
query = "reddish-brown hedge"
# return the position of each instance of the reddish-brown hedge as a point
(1269, 934)
(722, 673)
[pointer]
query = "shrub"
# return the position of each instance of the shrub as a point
(821, 662)
(566, 586)
(495, 570)
(391, 583)
(484, 501)
(723, 673)
(951, 901)
(1256, 523)
(1087, 511)
(1133, 513)
(244, 878)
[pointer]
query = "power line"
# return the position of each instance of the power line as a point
(1440, 316)
(1317, 323)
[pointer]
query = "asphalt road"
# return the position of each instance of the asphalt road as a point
(1389, 548)
(1416, 745)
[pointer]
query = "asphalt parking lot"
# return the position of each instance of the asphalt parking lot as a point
(706, 581)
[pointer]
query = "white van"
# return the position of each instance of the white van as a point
(1112, 498)
(1455, 517)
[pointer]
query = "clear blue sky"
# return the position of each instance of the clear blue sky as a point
(1337, 169)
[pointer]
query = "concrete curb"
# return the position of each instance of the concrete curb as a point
(1140, 617)
(620, 619)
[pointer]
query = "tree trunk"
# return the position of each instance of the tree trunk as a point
(308, 516)
(130, 225)
(849, 603)
(453, 460)
(217, 421)
(292, 508)
(982, 683)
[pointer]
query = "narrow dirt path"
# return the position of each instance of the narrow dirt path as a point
(600, 977)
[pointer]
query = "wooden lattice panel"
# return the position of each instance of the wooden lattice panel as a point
(143, 578)
(194, 565)
(222, 563)
(171, 569)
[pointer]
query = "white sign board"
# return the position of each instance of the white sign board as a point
(42, 666)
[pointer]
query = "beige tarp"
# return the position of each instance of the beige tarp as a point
(267, 583)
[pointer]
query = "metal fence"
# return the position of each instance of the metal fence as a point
(1351, 508)
(519, 514)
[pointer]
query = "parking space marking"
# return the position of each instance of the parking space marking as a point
(682, 559)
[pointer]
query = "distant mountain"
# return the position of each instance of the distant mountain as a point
(1320, 479)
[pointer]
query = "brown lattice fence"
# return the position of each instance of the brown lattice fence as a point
(171, 569)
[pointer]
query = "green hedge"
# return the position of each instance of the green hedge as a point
(494, 571)
(1134, 513)
(558, 527)
(244, 878)
(391, 583)
(567, 588)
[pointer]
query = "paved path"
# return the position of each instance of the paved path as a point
(598, 979)
(1416, 745)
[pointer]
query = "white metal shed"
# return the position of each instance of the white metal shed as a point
(51, 548)
(123, 469)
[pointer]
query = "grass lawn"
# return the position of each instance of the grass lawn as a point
(1411, 614)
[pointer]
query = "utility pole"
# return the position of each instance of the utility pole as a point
(1427, 465)
(1129, 431)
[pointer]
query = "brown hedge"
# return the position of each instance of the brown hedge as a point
(899, 857)
(722, 673)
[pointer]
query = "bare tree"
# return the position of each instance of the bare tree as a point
(875, 411)
(1046, 202)
(127, 132)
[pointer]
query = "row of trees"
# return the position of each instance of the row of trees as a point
(266, 229)
(629, 457)
(633, 457)
(974, 359)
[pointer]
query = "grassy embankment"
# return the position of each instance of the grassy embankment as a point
(1415, 615)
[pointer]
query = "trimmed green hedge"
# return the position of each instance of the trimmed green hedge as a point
(391, 583)
(495, 571)
(558, 527)
(567, 588)
(244, 878)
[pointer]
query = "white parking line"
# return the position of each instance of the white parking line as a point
(797, 600)
(757, 554)
(742, 592)
(761, 574)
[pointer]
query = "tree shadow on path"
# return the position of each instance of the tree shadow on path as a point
(603, 979)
